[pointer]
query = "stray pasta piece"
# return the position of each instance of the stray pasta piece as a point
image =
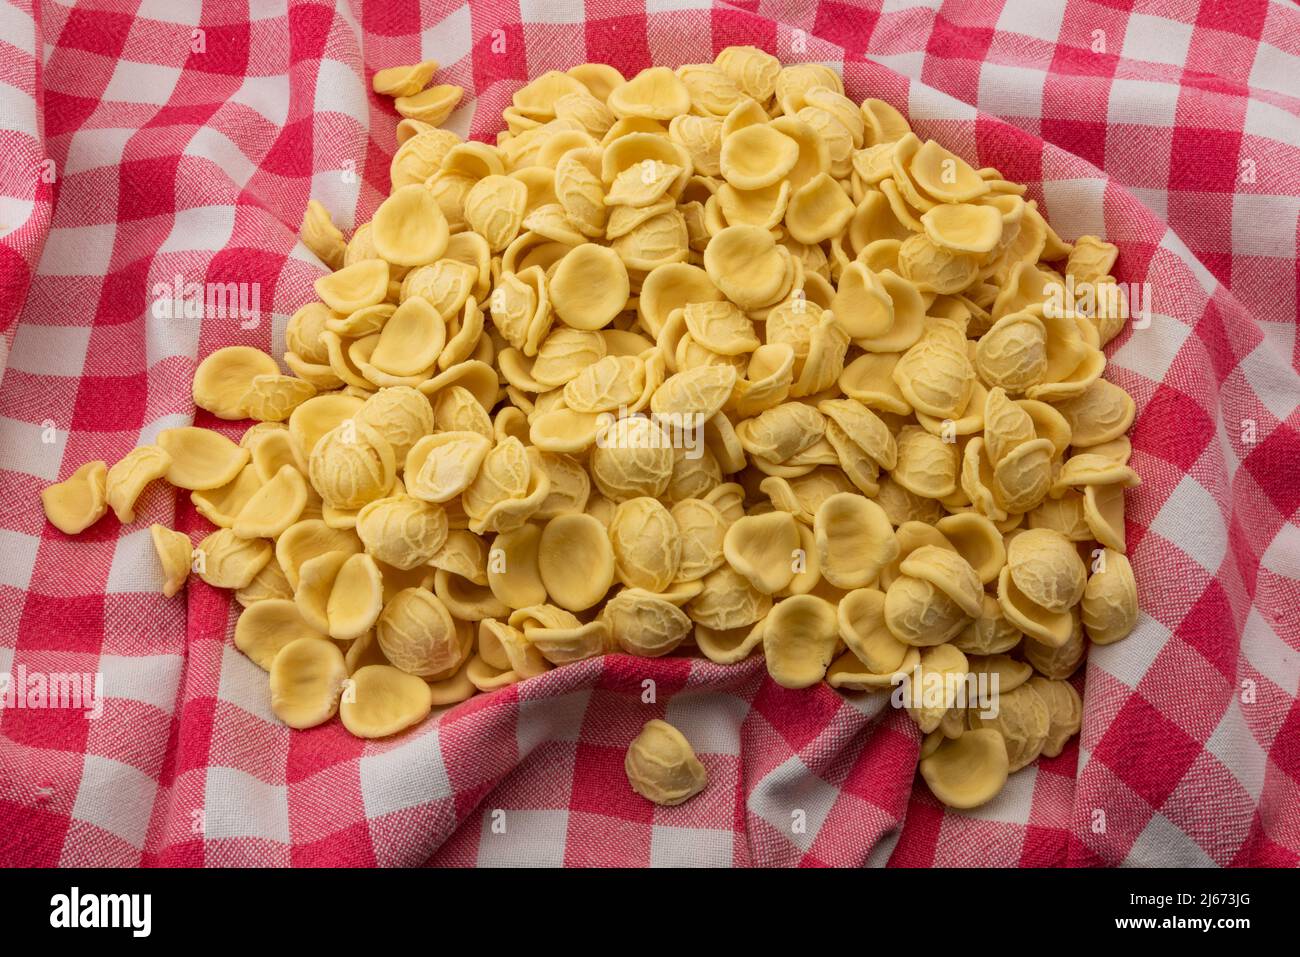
(711, 361)
(662, 767)
(174, 553)
(79, 501)
(404, 80)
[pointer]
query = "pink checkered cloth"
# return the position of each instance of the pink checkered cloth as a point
(143, 141)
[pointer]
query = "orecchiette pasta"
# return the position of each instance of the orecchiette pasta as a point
(710, 361)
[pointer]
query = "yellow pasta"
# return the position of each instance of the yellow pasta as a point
(662, 767)
(708, 361)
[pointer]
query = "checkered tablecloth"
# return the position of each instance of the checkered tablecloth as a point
(145, 141)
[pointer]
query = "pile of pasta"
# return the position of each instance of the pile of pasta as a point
(708, 361)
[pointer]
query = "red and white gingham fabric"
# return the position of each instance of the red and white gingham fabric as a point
(129, 156)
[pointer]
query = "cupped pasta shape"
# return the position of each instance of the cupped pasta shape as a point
(308, 539)
(646, 543)
(861, 617)
(272, 398)
(633, 457)
(1064, 711)
(934, 375)
(862, 306)
(411, 339)
(129, 477)
(950, 573)
(727, 600)
(513, 569)
(401, 530)
(503, 644)
(409, 228)
(854, 539)
(351, 465)
(701, 391)
(702, 530)
(945, 175)
(466, 599)
(224, 560)
(937, 686)
(964, 227)
(1101, 413)
(655, 93)
(495, 208)
(764, 548)
(276, 505)
(1021, 717)
(440, 467)
(403, 80)
(1088, 468)
(921, 614)
(753, 70)
(1008, 672)
(612, 383)
(1103, 510)
(1049, 627)
(977, 540)
(507, 490)
(645, 624)
(757, 156)
(818, 210)
(589, 287)
(223, 379)
(748, 265)
(174, 553)
(79, 501)
(431, 106)
(314, 418)
(383, 700)
(848, 673)
(799, 638)
(728, 646)
(1058, 661)
(576, 561)
(356, 598)
(1046, 568)
(355, 286)
(968, 771)
(307, 678)
(661, 765)
(200, 458)
(1006, 424)
(265, 627)
(1023, 477)
(417, 634)
(1110, 602)
(315, 584)
(926, 465)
